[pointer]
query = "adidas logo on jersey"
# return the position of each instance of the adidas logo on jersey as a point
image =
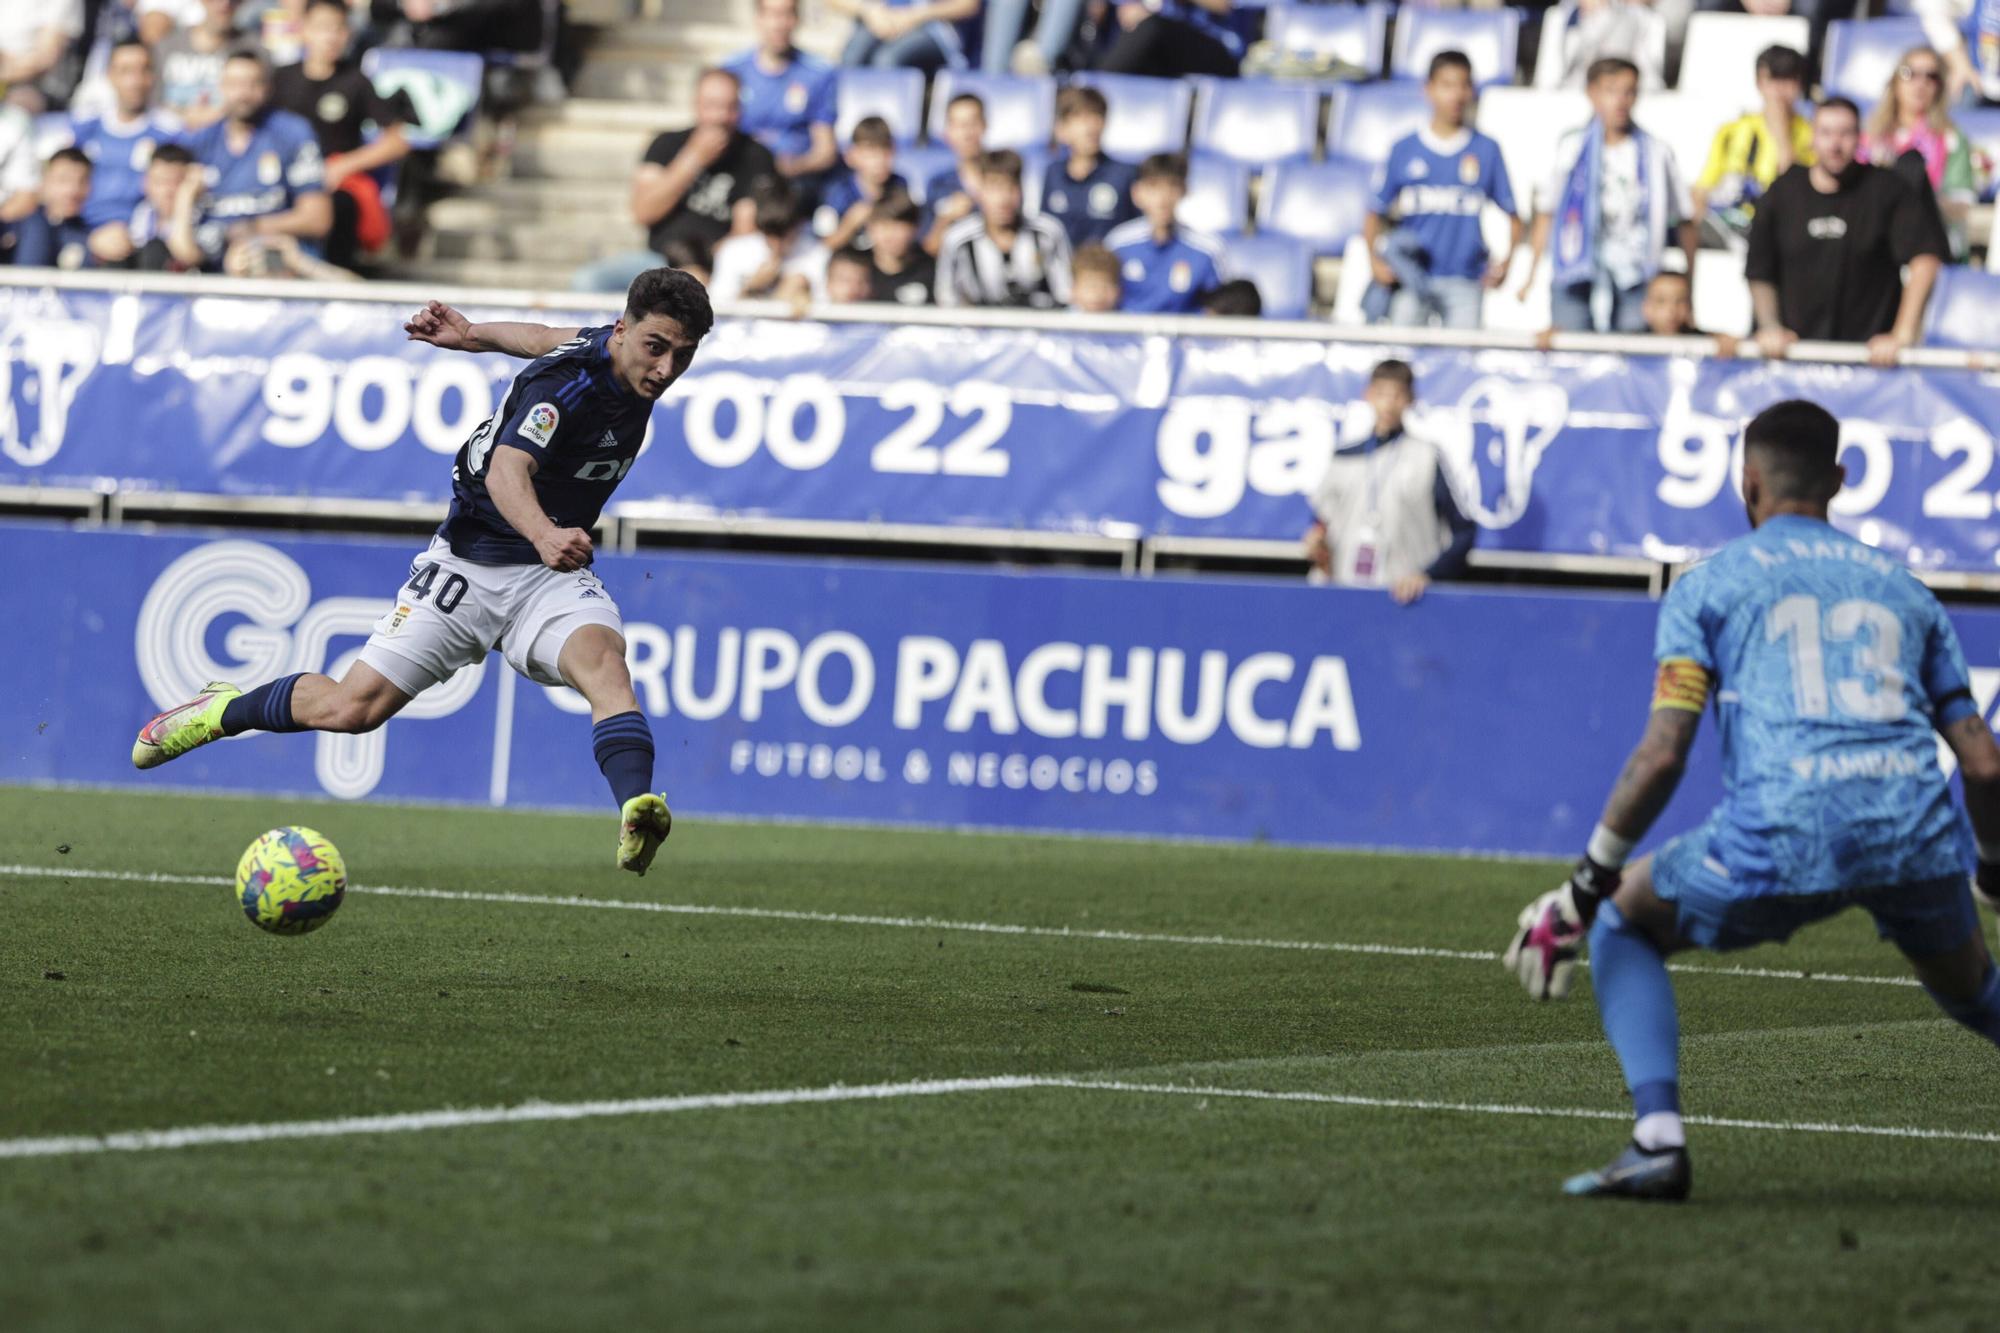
(610, 441)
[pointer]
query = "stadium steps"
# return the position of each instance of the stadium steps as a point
(524, 276)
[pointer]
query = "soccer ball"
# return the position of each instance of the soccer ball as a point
(291, 881)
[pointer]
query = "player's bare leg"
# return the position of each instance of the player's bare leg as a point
(593, 662)
(362, 700)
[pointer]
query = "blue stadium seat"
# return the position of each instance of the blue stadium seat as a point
(1034, 166)
(1861, 55)
(896, 95)
(1320, 203)
(1368, 118)
(1256, 122)
(1490, 39)
(1020, 113)
(1965, 309)
(1350, 33)
(1147, 116)
(918, 162)
(1218, 195)
(1279, 265)
(443, 88)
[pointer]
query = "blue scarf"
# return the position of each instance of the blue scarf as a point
(1578, 214)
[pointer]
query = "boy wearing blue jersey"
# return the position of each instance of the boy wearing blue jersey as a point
(1832, 670)
(509, 567)
(1083, 189)
(1423, 230)
(1166, 268)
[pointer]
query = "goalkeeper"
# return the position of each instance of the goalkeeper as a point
(1829, 667)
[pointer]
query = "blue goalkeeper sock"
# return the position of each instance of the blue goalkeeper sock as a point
(1983, 1014)
(266, 708)
(624, 746)
(1635, 999)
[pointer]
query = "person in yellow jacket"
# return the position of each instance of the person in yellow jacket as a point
(1756, 148)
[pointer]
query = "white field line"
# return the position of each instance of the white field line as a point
(193, 1136)
(931, 923)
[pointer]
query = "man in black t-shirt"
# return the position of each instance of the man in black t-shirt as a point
(1829, 243)
(900, 270)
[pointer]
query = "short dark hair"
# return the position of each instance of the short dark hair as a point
(676, 295)
(132, 44)
(340, 5)
(1839, 104)
(1081, 100)
(1782, 62)
(1395, 372)
(688, 252)
(718, 72)
(1238, 297)
(171, 155)
(1798, 448)
(1001, 162)
(776, 204)
(73, 155)
(895, 206)
(1164, 166)
(1606, 67)
(1445, 60)
(847, 254)
(872, 132)
(962, 99)
(250, 54)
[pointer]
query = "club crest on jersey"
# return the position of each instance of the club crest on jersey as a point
(269, 169)
(1468, 170)
(539, 426)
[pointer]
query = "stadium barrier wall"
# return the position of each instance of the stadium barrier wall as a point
(1105, 427)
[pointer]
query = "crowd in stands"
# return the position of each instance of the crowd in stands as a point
(236, 136)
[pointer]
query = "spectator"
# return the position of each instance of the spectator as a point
(277, 27)
(55, 234)
(1611, 204)
(1083, 189)
(1095, 288)
(850, 277)
(20, 166)
(1384, 515)
(1166, 268)
(909, 34)
(338, 100)
(1595, 30)
(904, 271)
(1171, 39)
(1911, 119)
(1756, 148)
(1236, 299)
(40, 51)
(759, 263)
(693, 184)
(954, 192)
(1436, 183)
(190, 59)
(461, 25)
(692, 257)
(265, 174)
(787, 97)
(871, 176)
(121, 143)
(1829, 245)
(1001, 44)
(1669, 310)
(163, 232)
(1946, 23)
(1000, 257)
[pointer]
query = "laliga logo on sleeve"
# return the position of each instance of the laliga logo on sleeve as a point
(43, 362)
(283, 630)
(1491, 443)
(540, 423)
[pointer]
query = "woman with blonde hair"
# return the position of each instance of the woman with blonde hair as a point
(1911, 118)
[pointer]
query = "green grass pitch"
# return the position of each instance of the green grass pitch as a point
(129, 1005)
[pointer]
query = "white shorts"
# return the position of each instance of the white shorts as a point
(450, 613)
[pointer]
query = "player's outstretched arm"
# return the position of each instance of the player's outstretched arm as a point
(441, 326)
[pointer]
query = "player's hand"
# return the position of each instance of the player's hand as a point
(1551, 930)
(441, 326)
(1775, 342)
(564, 549)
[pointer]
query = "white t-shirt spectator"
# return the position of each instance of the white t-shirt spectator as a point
(20, 163)
(22, 23)
(738, 259)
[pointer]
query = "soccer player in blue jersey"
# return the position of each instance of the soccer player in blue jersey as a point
(1166, 268)
(510, 566)
(1830, 668)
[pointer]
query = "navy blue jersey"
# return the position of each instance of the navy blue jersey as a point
(1090, 207)
(583, 428)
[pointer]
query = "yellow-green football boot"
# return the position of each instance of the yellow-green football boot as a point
(646, 823)
(184, 727)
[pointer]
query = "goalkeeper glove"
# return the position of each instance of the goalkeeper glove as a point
(1545, 948)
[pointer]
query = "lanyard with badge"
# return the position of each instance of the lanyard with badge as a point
(1367, 544)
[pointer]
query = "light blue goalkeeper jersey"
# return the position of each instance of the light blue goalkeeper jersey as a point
(1832, 667)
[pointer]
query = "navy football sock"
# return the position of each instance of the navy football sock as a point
(1983, 1014)
(624, 747)
(266, 708)
(1635, 999)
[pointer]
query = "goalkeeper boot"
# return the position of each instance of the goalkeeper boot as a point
(646, 823)
(1638, 1174)
(185, 727)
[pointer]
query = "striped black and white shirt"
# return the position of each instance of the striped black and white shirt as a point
(972, 270)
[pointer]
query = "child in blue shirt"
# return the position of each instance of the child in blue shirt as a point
(842, 218)
(1083, 189)
(55, 235)
(1166, 268)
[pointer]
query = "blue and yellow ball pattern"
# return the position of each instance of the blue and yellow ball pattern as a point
(291, 881)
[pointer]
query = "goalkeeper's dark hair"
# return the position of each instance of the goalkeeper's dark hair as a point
(1797, 445)
(676, 295)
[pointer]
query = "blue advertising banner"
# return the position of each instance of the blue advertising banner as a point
(992, 426)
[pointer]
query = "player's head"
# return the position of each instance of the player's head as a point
(718, 100)
(1160, 187)
(776, 21)
(1392, 388)
(129, 71)
(1080, 116)
(164, 174)
(245, 85)
(1449, 87)
(965, 126)
(1669, 305)
(666, 316)
(1000, 187)
(871, 153)
(65, 182)
(324, 31)
(892, 225)
(1836, 134)
(1095, 286)
(848, 276)
(1612, 84)
(1791, 461)
(1238, 298)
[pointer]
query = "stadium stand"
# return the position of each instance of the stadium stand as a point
(1322, 204)
(1965, 309)
(1020, 112)
(1366, 119)
(1146, 115)
(1353, 35)
(1281, 266)
(1490, 39)
(1256, 122)
(1218, 194)
(896, 95)
(1861, 55)
(1718, 58)
(442, 86)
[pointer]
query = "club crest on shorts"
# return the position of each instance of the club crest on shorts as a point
(539, 426)
(396, 618)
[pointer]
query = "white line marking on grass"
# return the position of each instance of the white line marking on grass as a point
(932, 923)
(410, 1122)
